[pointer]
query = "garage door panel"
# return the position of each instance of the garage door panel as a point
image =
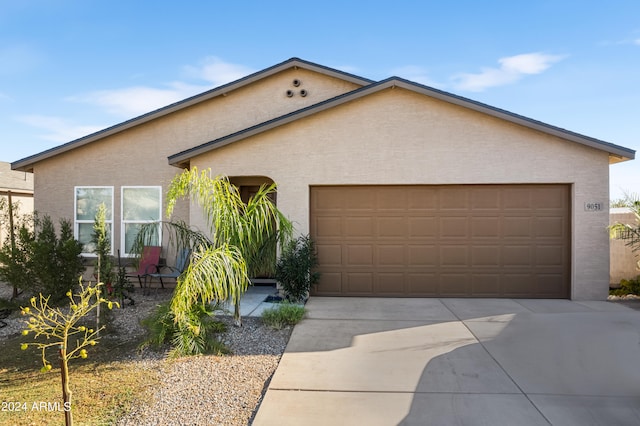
(330, 199)
(454, 227)
(487, 199)
(361, 198)
(517, 227)
(518, 285)
(455, 199)
(423, 284)
(421, 227)
(359, 255)
(549, 198)
(516, 199)
(327, 226)
(485, 227)
(486, 285)
(453, 241)
(516, 256)
(391, 255)
(391, 199)
(550, 285)
(550, 255)
(423, 255)
(359, 283)
(421, 198)
(485, 256)
(332, 283)
(358, 227)
(455, 284)
(454, 255)
(550, 227)
(391, 227)
(389, 284)
(329, 254)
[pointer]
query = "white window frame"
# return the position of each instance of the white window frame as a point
(124, 222)
(76, 222)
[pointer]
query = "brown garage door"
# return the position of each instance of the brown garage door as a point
(442, 241)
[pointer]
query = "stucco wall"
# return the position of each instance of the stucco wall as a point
(138, 156)
(400, 137)
(624, 263)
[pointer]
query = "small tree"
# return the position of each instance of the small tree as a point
(62, 330)
(102, 242)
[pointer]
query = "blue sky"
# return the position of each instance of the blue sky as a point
(72, 67)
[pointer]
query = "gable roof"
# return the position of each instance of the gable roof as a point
(616, 153)
(26, 164)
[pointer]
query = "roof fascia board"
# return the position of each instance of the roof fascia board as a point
(183, 157)
(26, 164)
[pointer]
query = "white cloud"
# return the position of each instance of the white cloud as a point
(57, 129)
(216, 71)
(137, 100)
(512, 69)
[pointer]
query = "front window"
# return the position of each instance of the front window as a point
(140, 205)
(87, 201)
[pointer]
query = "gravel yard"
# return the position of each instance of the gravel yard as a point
(201, 390)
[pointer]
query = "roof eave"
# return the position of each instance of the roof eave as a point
(27, 164)
(615, 151)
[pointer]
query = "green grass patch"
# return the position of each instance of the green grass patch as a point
(283, 314)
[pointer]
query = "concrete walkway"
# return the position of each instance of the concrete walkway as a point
(369, 361)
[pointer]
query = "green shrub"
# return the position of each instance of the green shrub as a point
(195, 337)
(294, 268)
(42, 262)
(631, 286)
(282, 315)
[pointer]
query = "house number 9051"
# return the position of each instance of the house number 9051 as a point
(592, 207)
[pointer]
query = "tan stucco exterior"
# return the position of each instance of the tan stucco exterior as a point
(390, 136)
(399, 137)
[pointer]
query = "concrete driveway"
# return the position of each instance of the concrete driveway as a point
(369, 361)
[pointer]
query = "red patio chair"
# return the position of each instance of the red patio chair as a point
(149, 264)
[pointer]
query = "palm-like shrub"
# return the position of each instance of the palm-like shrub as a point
(223, 259)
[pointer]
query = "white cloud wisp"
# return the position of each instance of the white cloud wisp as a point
(512, 69)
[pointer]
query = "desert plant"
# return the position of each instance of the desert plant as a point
(629, 233)
(283, 314)
(199, 338)
(238, 231)
(630, 286)
(62, 330)
(294, 270)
